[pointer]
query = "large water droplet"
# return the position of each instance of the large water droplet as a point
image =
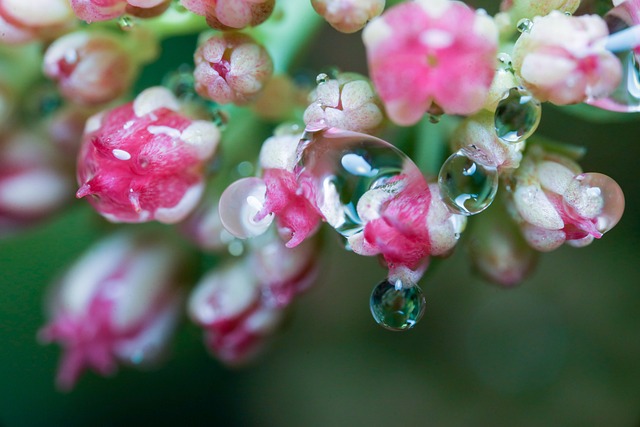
(596, 196)
(524, 25)
(341, 166)
(238, 206)
(397, 308)
(467, 187)
(517, 115)
(626, 97)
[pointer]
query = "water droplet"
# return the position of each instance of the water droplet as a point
(341, 166)
(596, 196)
(524, 25)
(397, 308)
(505, 61)
(180, 82)
(322, 78)
(467, 187)
(238, 206)
(517, 115)
(434, 119)
(245, 169)
(126, 23)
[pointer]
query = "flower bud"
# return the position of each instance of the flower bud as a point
(559, 59)
(347, 102)
(105, 10)
(118, 303)
(231, 14)
(348, 16)
(518, 9)
(430, 54)
(90, 67)
(231, 68)
(145, 160)
(227, 304)
(33, 183)
(25, 21)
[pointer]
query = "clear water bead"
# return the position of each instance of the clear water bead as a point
(397, 308)
(339, 167)
(517, 115)
(524, 25)
(596, 196)
(467, 186)
(322, 78)
(238, 206)
(626, 96)
(126, 23)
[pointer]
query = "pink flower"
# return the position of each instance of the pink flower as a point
(90, 67)
(231, 14)
(348, 16)
(25, 21)
(561, 60)
(231, 68)
(118, 303)
(104, 10)
(145, 160)
(555, 202)
(431, 54)
(33, 182)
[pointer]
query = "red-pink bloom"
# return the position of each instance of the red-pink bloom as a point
(231, 68)
(90, 67)
(24, 21)
(231, 14)
(431, 54)
(555, 202)
(118, 303)
(33, 182)
(104, 10)
(561, 59)
(145, 160)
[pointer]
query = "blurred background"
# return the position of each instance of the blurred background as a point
(562, 349)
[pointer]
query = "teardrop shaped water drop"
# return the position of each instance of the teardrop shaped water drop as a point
(338, 167)
(238, 206)
(397, 308)
(596, 196)
(517, 115)
(467, 186)
(524, 25)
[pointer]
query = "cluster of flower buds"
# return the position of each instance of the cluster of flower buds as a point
(337, 155)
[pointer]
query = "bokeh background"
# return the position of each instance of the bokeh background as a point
(562, 349)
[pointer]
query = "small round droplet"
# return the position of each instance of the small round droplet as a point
(524, 25)
(598, 197)
(517, 115)
(322, 78)
(238, 206)
(126, 23)
(397, 308)
(467, 187)
(505, 61)
(434, 119)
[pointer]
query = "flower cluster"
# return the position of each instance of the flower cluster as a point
(242, 159)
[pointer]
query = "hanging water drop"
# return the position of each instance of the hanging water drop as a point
(339, 167)
(238, 206)
(596, 196)
(517, 115)
(126, 23)
(396, 306)
(524, 25)
(467, 187)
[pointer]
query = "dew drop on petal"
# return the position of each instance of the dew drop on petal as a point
(626, 96)
(517, 115)
(341, 166)
(238, 206)
(524, 25)
(397, 308)
(467, 187)
(598, 197)
(126, 23)
(322, 78)
(505, 61)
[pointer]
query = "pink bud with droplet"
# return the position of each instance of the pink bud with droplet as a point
(104, 10)
(25, 21)
(231, 68)
(117, 304)
(145, 160)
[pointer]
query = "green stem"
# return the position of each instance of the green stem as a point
(432, 143)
